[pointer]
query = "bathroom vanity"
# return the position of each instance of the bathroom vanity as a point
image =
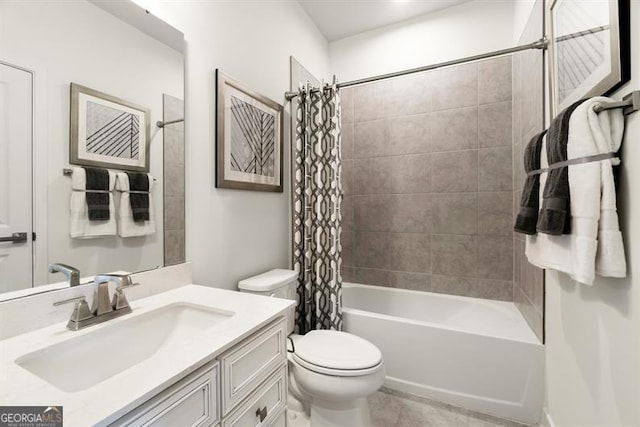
(191, 356)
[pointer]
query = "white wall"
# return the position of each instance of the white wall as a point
(468, 29)
(232, 234)
(521, 11)
(593, 333)
(74, 41)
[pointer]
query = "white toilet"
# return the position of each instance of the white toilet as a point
(331, 373)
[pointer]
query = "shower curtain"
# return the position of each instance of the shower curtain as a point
(317, 198)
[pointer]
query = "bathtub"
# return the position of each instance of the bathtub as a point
(474, 353)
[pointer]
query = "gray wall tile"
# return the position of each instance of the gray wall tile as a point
(372, 212)
(174, 181)
(347, 173)
(495, 257)
(408, 280)
(495, 213)
(454, 213)
(410, 174)
(495, 289)
(495, 124)
(410, 94)
(346, 99)
(368, 101)
(174, 252)
(371, 249)
(372, 139)
(410, 252)
(454, 171)
(495, 169)
(174, 213)
(372, 175)
(346, 240)
(348, 143)
(347, 208)
(454, 130)
(349, 274)
(409, 213)
(494, 80)
(409, 134)
(454, 255)
(454, 87)
(372, 276)
(464, 286)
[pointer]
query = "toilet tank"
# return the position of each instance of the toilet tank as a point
(275, 283)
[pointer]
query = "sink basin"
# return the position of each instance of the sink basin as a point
(81, 362)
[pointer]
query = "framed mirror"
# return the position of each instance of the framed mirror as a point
(589, 50)
(116, 48)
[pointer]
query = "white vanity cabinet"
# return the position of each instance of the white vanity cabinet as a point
(246, 386)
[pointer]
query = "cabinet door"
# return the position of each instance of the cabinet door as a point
(190, 402)
(264, 406)
(246, 366)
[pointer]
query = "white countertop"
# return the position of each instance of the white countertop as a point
(108, 400)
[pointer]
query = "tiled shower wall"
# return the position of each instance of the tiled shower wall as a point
(428, 182)
(174, 224)
(528, 111)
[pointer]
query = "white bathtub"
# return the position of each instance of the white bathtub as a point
(474, 353)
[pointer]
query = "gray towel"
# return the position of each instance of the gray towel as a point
(139, 201)
(530, 201)
(97, 203)
(555, 214)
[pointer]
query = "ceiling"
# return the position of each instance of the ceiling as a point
(342, 18)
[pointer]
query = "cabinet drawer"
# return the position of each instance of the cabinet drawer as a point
(269, 398)
(190, 402)
(248, 365)
(280, 419)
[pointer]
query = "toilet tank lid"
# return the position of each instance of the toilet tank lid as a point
(268, 281)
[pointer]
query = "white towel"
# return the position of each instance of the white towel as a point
(127, 227)
(79, 225)
(595, 243)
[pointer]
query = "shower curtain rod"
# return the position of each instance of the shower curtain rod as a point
(539, 44)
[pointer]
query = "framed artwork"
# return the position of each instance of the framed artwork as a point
(589, 49)
(107, 131)
(248, 138)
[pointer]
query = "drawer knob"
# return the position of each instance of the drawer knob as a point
(262, 413)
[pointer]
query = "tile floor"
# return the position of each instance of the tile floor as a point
(393, 409)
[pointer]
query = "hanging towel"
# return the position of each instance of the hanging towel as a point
(554, 217)
(80, 224)
(98, 201)
(127, 226)
(139, 195)
(595, 245)
(530, 201)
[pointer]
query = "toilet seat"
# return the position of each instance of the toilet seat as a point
(337, 353)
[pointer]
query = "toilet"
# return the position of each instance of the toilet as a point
(331, 373)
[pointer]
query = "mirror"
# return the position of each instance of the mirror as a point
(589, 49)
(114, 48)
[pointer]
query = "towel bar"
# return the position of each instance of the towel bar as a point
(69, 172)
(629, 104)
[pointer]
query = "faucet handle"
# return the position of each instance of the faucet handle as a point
(119, 298)
(81, 310)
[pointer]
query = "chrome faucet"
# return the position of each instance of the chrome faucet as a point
(71, 273)
(102, 308)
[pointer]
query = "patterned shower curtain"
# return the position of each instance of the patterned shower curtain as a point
(317, 199)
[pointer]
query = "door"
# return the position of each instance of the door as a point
(16, 252)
